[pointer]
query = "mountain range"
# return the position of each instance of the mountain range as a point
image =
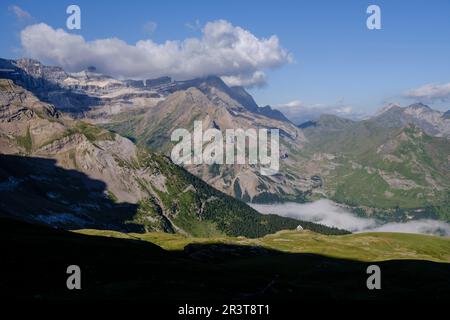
(71, 174)
(376, 164)
(394, 165)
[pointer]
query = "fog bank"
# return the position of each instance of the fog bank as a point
(331, 214)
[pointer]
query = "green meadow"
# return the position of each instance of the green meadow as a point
(360, 247)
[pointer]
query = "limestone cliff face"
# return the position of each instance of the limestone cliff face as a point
(73, 174)
(210, 101)
(327, 157)
(150, 110)
(31, 128)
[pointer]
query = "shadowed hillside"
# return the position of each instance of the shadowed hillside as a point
(37, 190)
(34, 262)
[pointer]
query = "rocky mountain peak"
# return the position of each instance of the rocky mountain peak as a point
(36, 69)
(77, 175)
(27, 62)
(418, 107)
(16, 101)
(91, 69)
(390, 106)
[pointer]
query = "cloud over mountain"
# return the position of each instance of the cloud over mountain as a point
(430, 93)
(298, 112)
(223, 49)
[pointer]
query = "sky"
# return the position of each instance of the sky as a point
(294, 55)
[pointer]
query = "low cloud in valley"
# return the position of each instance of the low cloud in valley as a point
(328, 213)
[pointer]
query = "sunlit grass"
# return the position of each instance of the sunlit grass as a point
(362, 246)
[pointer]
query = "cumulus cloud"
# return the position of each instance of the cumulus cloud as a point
(430, 93)
(257, 78)
(223, 49)
(298, 112)
(20, 13)
(329, 213)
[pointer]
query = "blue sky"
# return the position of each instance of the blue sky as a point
(337, 61)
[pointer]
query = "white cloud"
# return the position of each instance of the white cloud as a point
(325, 212)
(150, 27)
(223, 49)
(20, 14)
(430, 93)
(344, 110)
(257, 78)
(329, 213)
(298, 112)
(425, 226)
(291, 104)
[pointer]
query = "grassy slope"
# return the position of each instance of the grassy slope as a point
(423, 159)
(361, 247)
(203, 211)
(184, 204)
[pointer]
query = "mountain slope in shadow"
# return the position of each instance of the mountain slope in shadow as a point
(37, 190)
(75, 103)
(35, 259)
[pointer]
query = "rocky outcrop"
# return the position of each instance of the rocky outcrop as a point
(73, 174)
(433, 122)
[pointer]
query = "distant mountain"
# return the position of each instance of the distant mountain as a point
(135, 109)
(268, 111)
(446, 115)
(381, 163)
(395, 159)
(98, 96)
(46, 83)
(72, 174)
(212, 102)
(212, 84)
(328, 122)
(433, 122)
(244, 98)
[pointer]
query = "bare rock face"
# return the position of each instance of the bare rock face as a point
(35, 129)
(17, 102)
(85, 94)
(330, 150)
(432, 122)
(209, 100)
(73, 174)
(150, 110)
(25, 121)
(446, 115)
(390, 160)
